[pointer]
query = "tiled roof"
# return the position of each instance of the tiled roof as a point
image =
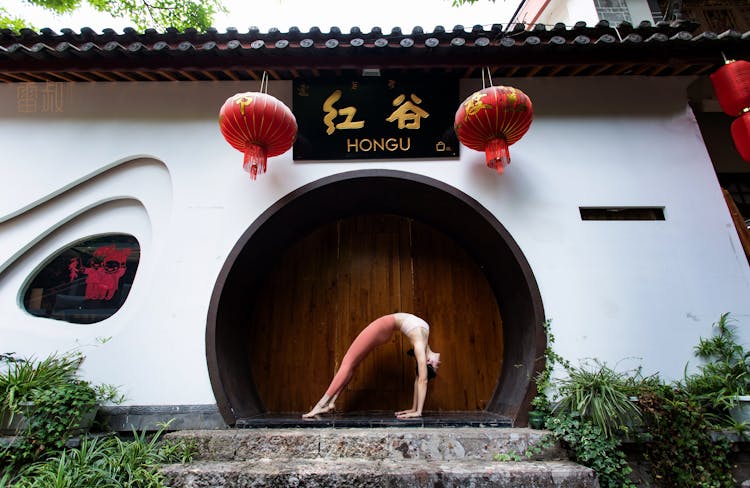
(664, 49)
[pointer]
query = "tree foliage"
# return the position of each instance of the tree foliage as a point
(7, 21)
(159, 14)
(459, 3)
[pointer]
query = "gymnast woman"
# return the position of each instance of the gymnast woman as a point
(377, 333)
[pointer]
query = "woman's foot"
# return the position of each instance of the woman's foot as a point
(318, 409)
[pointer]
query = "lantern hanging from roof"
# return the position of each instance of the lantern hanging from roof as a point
(741, 135)
(732, 86)
(258, 125)
(492, 119)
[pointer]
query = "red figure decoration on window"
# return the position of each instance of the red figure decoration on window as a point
(732, 86)
(492, 119)
(106, 267)
(260, 126)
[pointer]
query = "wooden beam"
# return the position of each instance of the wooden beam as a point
(230, 74)
(679, 70)
(208, 75)
(123, 75)
(739, 223)
(166, 75)
(146, 75)
(20, 78)
(103, 75)
(600, 69)
(60, 76)
(703, 69)
(623, 69)
(512, 71)
(578, 69)
(82, 76)
(533, 71)
(187, 75)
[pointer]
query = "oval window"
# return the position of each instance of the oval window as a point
(86, 283)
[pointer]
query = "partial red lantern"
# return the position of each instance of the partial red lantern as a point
(258, 125)
(492, 119)
(732, 86)
(741, 135)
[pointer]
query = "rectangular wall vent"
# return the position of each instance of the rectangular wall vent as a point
(622, 213)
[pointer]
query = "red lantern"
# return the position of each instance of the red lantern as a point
(260, 126)
(732, 86)
(741, 135)
(492, 119)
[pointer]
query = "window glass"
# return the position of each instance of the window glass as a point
(86, 283)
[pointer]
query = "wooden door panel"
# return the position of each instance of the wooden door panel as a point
(465, 324)
(369, 267)
(333, 282)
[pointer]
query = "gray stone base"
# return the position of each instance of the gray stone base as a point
(152, 417)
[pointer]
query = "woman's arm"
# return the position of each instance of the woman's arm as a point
(420, 385)
(413, 403)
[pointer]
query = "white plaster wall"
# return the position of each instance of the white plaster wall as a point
(569, 12)
(639, 11)
(154, 164)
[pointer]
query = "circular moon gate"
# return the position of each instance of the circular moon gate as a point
(236, 315)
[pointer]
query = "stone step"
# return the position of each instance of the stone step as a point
(390, 443)
(354, 473)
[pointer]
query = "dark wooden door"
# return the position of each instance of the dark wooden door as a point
(340, 277)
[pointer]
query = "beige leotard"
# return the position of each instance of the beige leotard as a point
(408, 322)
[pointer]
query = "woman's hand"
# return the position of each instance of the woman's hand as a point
(402, 412)
(410, 414)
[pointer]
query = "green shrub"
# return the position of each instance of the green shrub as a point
(107, 462)
(725, 375)
(599, 394)
(589, 445)
(681, 449)
(53, 401)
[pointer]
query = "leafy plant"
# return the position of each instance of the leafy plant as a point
(107, 462)
(22, 378)
(53, 401)
(543, 380)
(725, 375)
(599, 394)
(588, 444)
(681, 450)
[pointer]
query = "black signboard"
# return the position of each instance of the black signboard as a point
(375, 118)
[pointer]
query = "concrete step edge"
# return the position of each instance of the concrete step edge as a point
(357, 472)
(440, 444)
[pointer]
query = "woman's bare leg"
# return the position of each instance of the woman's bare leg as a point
(327, 402)
(376, 333)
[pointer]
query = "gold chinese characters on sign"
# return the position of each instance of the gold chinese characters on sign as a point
(372, 118)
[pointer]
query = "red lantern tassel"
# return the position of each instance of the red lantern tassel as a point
(498, 155)
(741, 135)
(255, 160)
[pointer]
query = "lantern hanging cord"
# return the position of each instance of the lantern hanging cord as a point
(489, 77)
(264, 83)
